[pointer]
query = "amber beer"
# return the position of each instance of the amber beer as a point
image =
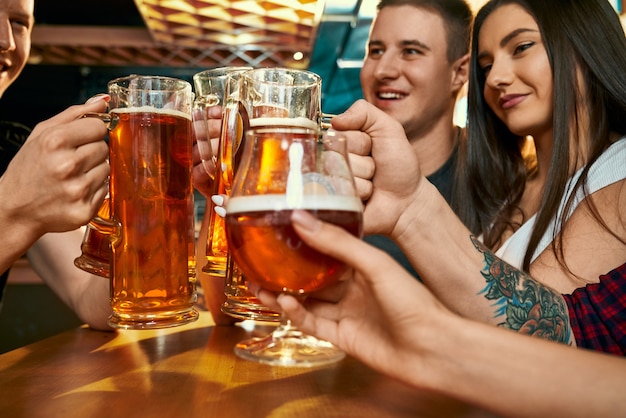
(270, 252)
(96, 246)
(239, 298)
(153, 269)
(234, 124)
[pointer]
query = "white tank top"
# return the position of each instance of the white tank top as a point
(608, 169)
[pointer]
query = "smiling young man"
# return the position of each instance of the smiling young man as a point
(416, 64)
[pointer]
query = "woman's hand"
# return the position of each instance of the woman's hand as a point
(379, 315)
(206, 126)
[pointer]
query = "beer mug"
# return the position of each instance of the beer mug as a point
(153, 280)
(212, 88)
(95, 256)
(271, 97)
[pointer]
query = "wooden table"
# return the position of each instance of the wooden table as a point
(191, 371)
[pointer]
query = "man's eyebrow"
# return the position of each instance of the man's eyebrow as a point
(23, 16)
(415, 42)
(412, 42)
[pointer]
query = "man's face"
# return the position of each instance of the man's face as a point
(16, 24)
(406, 72)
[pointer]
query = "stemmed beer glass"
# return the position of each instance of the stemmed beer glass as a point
(286, 167)
(265, 96)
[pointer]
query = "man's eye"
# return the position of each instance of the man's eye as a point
(411, 51)
(24, 24)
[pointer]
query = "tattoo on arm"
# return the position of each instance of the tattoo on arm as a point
(527, 306)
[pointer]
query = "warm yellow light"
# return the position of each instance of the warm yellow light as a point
(476, 4)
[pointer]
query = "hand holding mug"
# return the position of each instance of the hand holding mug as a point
(206, 141)
(59, 177)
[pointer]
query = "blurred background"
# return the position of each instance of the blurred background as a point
(79, 45)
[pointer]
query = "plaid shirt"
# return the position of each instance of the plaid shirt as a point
(598, 313)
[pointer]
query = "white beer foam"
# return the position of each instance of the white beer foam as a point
(275, 202)
(269, 122)
(150, 109)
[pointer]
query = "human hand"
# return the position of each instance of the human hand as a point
(379, 316)
(206, 126)
(58, 179)
(383, 162)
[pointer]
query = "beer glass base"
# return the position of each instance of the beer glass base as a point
(249, 311)
(289, 347)
(215, 267)
(152, 321)
(92, 266)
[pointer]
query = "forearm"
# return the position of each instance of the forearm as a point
(12, 246)
(17, 235)
(439, 247)
(517, 376)
(470, 280)
(52, 257)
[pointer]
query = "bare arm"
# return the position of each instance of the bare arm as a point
(472, 281)
(52, 257)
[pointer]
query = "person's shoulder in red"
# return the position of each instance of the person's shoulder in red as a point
(598, 313)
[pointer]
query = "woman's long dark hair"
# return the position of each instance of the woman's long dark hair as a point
(583, 34)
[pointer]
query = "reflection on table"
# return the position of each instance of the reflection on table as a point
(191, 371)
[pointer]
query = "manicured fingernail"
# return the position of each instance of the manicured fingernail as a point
(220, 211)
(99, 96)
(305, 220)
(218, 200)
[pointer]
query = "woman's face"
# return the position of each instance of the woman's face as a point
(518, 77)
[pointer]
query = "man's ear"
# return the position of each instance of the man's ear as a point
(460, 73)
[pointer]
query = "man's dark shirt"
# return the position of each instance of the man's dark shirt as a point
(12, 136)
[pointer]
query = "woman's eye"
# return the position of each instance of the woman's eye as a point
(523, 47)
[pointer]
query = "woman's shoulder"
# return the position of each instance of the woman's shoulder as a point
(608, 169)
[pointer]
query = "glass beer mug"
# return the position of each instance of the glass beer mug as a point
(266, 97)
(153, 283)
(212, 88)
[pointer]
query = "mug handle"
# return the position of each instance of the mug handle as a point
(110, 120)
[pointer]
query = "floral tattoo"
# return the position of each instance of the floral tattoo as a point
(528, 306)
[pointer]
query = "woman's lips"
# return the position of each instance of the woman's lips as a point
(511, 100)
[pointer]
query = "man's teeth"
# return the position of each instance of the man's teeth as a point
(390, 95)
